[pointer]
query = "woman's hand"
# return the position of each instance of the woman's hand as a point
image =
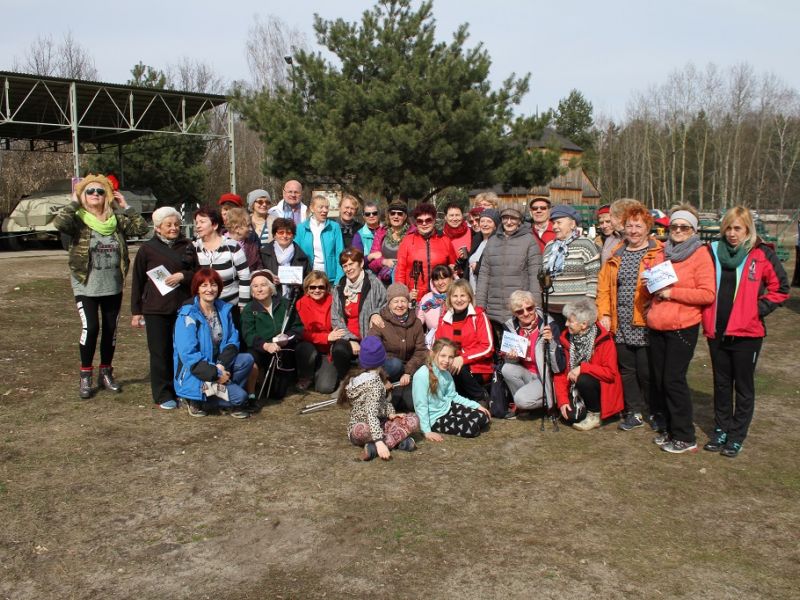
(136, 321)
(458, 362)
(666, 293)
(434, 437)
(271, 347)
(383, 450)
(120, 199)
(377, 321)
(224, 376)
(174, 280)
(605, 321)
(565, 410)
(473, 266)
(374, 255)
(413, 294)
(547, 333)
(512, 355)
(573, 374)
(356, 347)
(388, 262)
(404, 380)
(336, 334)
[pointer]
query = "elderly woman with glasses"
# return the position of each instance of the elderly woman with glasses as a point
(259, 203)
(365, 235)
(386, 243)
(422, 250)
(99, 222)
(674, 323)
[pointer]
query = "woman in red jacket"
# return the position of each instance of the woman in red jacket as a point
(314, 309)
(673, 320)
(468, 326)
(591, 367)
(422, 250)
(751, 283)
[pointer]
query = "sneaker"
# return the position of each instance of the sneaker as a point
(679, 447)
(195, 409)
(631, 421)
(370, 452)
(240, 412)
(509, 416)
(407, 445)
(731, 449)
(169, 405)
(662, 439)
(657, 422)
(592, 421)
(716, 442)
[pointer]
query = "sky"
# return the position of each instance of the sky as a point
(607, 50)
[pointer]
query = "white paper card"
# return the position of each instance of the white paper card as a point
(213, 388)
(516, 343)
(158, 275)
(660, 276)
(289, 275)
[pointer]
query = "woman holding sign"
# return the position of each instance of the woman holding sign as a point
(674, 323)
(162, 273)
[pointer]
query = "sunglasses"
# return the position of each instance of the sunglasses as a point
(98, 191)
(397, 213)
(371, 213)
(538, 208)
(427, 221)
(261, 201)
(284, 232)
(525, 310)
(680, 227)
(315, 288)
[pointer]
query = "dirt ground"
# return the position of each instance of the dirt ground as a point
(113, 498)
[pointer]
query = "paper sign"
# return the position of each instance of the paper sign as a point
(289, 275)
(660, 276)
(158, 275)
(512, 342)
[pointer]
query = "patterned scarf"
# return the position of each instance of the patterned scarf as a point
(582, 346)
(558, 254)
(393, 240)
(353, 288)
(434, 302)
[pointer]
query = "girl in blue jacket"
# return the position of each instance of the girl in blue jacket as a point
(439, 407)
(209, 370)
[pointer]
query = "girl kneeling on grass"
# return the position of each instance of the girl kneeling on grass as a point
(439, 407)
(373, 422)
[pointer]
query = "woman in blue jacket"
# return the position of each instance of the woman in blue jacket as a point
(209, 370)
(321, 239)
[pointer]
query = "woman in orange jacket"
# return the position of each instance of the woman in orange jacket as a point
(674, 322)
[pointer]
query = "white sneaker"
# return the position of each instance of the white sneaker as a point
(592, 421)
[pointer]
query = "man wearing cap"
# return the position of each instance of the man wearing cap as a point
(510, 262)
(348, 208)
(572, 261)
(542, 228)
(227, 202)
(291, 206)
(258, 203)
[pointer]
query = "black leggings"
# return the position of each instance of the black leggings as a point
(88, 307)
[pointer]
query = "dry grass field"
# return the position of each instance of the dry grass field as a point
(113, 498)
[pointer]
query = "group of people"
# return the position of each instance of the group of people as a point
(427, 329)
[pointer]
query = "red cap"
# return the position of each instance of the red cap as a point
(475, 211)
(234, 198)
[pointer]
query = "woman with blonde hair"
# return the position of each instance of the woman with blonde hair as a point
(751, 283)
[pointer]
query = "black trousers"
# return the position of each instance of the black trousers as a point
(670, 355)
(342, 357)
(462, 421)
(634, 368)
(311, 364)
(159, 330)
(88, 307)
(469, 385)
(589, 390)
(734, 363)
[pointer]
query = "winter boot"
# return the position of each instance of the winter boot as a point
(85, 389)
(107, 379)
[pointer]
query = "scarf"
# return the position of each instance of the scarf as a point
(402, 320)
(730, 257)
(455, 232)
(558, 254)
(683, 250)
(284, 257)
(434, 302)
(353, 288)
(106, 227)
(169, 243)
(582, 346)
(393, 242)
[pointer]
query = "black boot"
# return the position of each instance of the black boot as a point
(107, 379)
(85, 389)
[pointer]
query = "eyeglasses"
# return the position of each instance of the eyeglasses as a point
(291, 192)
(427, 221)
(676, 227)
(284, 232)
(538, 208)
(315, 288)
(98, 191)
(372, 213)
(261, 201)
(397, 213)
(525, 310)
(509, 218)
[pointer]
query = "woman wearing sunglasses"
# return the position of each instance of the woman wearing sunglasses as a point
(99, 222)
(386, 242)
(312, 353)
(422, 250)
(673, 320)
(259, 203)
(372, 222)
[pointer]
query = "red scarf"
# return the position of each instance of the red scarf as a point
(455, 232)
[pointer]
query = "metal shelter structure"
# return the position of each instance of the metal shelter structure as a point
(72, 111)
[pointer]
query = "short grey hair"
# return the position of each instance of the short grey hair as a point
(162, 213)
(519, 298)
(584, 311)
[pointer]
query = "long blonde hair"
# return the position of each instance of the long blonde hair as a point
(438, 346)
(746, 217)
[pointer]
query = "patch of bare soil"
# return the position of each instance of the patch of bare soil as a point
(113, 498)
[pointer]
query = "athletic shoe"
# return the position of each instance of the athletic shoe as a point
(509, 416)
(717, 441)
(592, 421)
(195, 409)
(370, 452)
(240, 412)
(407, 445)
(631, 421)
(657, 422)
(169, 405)
(679, 447)
(731, 449)
(662, 439)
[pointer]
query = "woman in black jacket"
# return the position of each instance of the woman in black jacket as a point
(155, 309)
(283, 251)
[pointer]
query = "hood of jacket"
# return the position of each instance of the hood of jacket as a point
(361, 383)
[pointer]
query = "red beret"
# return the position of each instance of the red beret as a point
(234, 198)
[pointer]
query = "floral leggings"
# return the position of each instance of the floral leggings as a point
(394, 430)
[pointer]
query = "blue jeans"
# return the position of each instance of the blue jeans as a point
(240, 371)
(394, 368)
